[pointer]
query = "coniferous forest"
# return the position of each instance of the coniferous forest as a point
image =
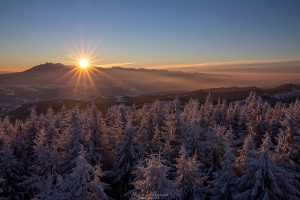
(242, 150)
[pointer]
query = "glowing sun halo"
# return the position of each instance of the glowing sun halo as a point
(83, 63)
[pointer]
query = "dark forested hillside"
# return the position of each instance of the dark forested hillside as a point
(162, 150)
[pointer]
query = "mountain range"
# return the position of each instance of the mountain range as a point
(50, 82)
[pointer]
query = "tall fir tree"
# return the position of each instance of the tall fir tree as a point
(189, 182)
(127, 156)
(154, 183)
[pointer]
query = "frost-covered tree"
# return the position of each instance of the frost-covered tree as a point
(189, 182)
(224, 183)
(115, 121)
(236, 120)
(219, 113)
(94, 135)
(154, 182)
(149, 119)
(257, 128)
(174, 126)
(246, 154)
(286, 173)
(32, 127)
(52, 133)
(190, 111)
(76, 135)
(97, 187)
(157, 140)
(216, 145)
(11, 172)
(37, 178)
(80, 184)
(192, 137)
(43, 171)
(283, 151)
(259, 179)
(46, 120)
(206, 111)
(7, 130)
(127, 156)
(290, 127)
(61, 121)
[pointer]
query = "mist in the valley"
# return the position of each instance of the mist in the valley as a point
(269, 73)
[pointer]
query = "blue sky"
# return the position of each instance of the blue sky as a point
(147, 33)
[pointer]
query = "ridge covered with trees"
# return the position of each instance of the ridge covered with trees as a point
(241, 150)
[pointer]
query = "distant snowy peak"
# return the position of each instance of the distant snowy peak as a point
(49, 66)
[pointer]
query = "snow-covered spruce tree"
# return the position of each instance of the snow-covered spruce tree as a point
(127, 156)
(52, 133)
(157, 112)
(62, 120)
(115, 121)
(174, 124)
(174, 129)
(259, 178)
(11, 171)
(76, 135)
(80, 185)
(206, 111)
(284, 149)
(106, 149)
(144, 127)
(291, 127)
(189, 182)
(254, 111)
(92, 130)
(7, 130)
(190, 125)
(97, 187)
(167, 152)
(224, 183)
(43, 171)
(74, 139)
(154, 183)
(190, 111)
(234, 123)
(192, 138)
(46, 120)
(272, 123)
(285, 171)
(171, 127)
(194, 133)
(32, 127)
(219, 113)
(157, 140)
(233, 118)
(256, 128)
(35, 180)
(138, 138)
(18, 145)
(216, 144)
(246, 155)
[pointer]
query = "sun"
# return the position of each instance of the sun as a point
(83, 63)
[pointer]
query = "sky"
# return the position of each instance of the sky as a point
(150, 33)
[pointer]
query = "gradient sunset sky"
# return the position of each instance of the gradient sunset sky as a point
(148, 33)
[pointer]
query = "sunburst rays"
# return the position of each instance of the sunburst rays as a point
(82, 73)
